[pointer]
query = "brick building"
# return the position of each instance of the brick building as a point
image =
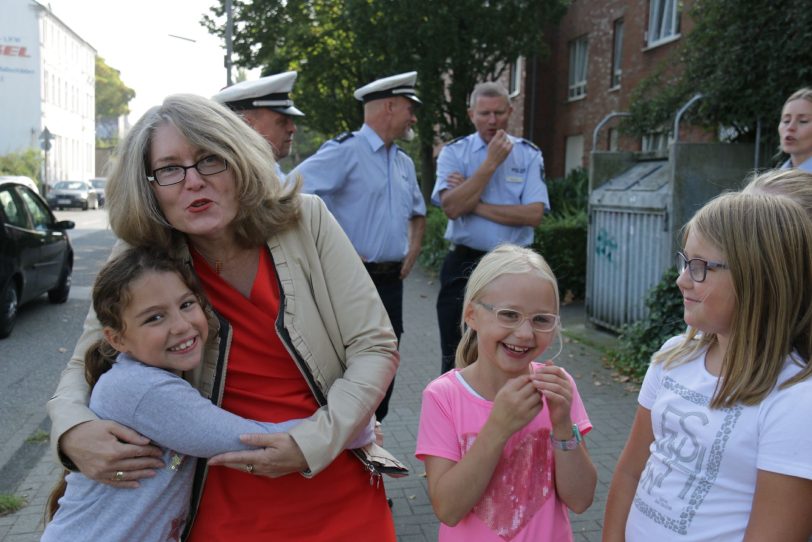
(599, 53)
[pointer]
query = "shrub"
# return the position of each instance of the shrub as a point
(435, 247)
(639, 341)
(562, 242)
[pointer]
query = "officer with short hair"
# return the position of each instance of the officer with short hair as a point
(370, 186)
(266, 106)
(491, 187)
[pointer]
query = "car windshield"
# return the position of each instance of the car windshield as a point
(70, 185)
(98, 184)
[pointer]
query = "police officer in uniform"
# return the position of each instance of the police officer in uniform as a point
(490, 186)
(266, 106)
(370, 186)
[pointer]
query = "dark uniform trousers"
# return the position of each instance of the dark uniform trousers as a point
(457, 267)
(386, 277)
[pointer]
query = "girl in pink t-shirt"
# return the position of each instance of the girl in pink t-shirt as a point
(501, 435)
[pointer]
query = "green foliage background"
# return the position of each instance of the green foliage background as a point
(338, 45)
(639, 341)
(27, 163)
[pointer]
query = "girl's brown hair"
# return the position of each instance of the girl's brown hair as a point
(111, 296)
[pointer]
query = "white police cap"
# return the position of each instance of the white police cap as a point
(271, 92)
(395, 85)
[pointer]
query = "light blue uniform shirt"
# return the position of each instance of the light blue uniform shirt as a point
(806, 165)
(517, 181)
(372, 192)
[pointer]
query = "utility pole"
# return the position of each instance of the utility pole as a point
(229, 30)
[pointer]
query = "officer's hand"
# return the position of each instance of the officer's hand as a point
(499, 148)
(454, 179)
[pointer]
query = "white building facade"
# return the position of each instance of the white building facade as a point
(47, 79)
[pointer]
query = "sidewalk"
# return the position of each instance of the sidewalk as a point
(610, 406)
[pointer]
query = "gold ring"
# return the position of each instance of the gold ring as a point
(249, 468)
(118, 476)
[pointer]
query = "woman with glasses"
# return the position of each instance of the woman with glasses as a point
(720, 449)
(302, 334)
(502, 434)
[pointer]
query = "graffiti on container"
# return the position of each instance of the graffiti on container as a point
(605, 245)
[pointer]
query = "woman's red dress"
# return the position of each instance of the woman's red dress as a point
(263, 383)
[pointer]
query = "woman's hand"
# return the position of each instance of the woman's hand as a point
(279, 455)
(111, 453)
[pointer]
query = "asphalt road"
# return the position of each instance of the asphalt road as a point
(32, 358)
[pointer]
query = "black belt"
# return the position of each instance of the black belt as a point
(383, 268)
(468, 253)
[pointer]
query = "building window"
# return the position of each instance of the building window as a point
(515, 82)
(578, 67)
(617, 54)
(574, 153)
(614, 138)
(655, 142)
(663, 20)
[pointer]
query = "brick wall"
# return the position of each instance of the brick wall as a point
(552, 118)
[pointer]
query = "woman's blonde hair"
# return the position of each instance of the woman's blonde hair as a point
(800, 94)
(793, 183)
(505, 259)
(264, 205)
(766, 242)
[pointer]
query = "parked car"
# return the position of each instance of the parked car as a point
(73, 194)
(36, 255)
(27, 181)
(99, 183)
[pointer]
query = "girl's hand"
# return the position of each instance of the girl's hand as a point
(515, 405)
(110, 453)
(556, 388)
(279, 455)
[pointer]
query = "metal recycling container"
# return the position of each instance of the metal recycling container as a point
(630, 242)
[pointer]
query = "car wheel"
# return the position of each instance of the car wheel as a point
(60, 292)
(8, 309)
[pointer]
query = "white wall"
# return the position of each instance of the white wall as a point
(51, 85)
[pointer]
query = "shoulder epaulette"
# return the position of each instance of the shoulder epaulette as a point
(343, 136)
(529, 143)
(456, 140)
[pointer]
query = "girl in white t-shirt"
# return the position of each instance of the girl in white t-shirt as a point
(501, 435)
(720, 449)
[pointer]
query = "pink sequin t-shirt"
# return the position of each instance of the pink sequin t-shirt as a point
(520, 503)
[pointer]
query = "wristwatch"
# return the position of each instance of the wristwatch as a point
(570, 444)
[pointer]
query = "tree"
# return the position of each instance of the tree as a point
(112, 95)
(337, 45)
(26, 163)
(744, 56)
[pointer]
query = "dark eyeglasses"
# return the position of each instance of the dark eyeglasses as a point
(169, 175)
(512, 319)
(697, 267)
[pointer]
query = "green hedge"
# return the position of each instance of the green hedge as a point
(562, 242)
(639, 341)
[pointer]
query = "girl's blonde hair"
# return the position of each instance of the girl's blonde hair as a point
(793, 183)
(505, 259)
(264, 205)
(767, 243)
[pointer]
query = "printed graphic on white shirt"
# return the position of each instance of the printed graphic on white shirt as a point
(680, 464)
